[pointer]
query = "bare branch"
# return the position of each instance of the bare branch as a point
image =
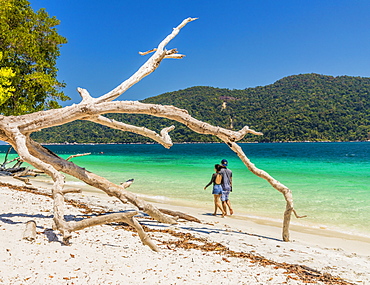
(10, 161)
(16, 131)
(273, 182)
(127, 183)
(175, 56)
(22, 147)
(147, 52)
(96, 181)
(181, 215)
(297, 216)
(85, 95)
(169, 112)
(78, 155)
(148, 67)
(23, 179)
(164, 139)
(174, 33)
(72, 190)
(115, 218)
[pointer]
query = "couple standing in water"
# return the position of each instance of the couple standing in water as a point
(222, 186)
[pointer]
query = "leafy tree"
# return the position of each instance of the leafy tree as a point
(6, 88)
(29, 46)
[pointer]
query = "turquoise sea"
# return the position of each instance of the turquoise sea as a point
(330, 181)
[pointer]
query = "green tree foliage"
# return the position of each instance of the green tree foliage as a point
(6, 88)
(306, 107)
(29, 46)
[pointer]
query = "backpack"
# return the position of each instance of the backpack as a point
(218, 179)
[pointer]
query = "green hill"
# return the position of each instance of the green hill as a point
(306, 107)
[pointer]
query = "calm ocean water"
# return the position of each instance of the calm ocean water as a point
(330, 181)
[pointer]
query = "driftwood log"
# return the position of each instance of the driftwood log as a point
(16, 131)
(30, 231)
(180, 215)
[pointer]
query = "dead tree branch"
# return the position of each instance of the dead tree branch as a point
(16, 131)
(78, 155)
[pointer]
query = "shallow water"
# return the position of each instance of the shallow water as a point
(330, 181)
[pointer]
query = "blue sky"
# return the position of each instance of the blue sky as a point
(234, 44)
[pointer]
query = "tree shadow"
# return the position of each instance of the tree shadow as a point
(224, 231)
(208, 230)
(5, 218)
(51, 236)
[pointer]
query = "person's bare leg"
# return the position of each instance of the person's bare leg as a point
(224, 207)
(215, 199)
(219, 205)
(229, 206)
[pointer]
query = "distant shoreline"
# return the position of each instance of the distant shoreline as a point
(154, 143)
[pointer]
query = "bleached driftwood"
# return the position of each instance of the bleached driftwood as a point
(78, 155)
(127, 183)
(180, 215)
(16, 170)
(23, 179)
(16, 131)
(72, 190)
(30, 231)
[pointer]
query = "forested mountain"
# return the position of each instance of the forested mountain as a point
(306, 107)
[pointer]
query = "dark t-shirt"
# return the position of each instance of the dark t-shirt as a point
(226, 178)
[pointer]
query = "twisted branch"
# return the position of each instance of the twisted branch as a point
(163, 139)
(16, 131)
(147, 68)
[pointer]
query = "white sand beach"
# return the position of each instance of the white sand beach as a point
(218, 250)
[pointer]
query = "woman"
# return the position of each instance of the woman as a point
(217, 189)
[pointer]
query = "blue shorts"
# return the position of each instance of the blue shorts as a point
(217, 189)
(225, 195)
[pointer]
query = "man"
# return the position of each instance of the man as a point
(227, 184)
